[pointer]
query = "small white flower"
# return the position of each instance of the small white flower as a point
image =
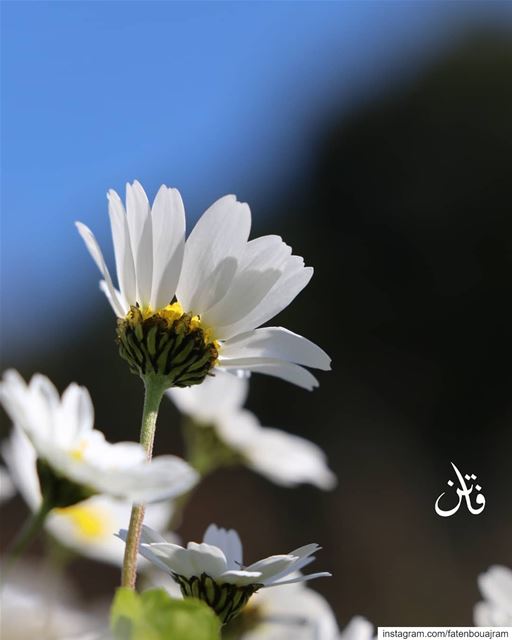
(36, 603)
(214, 571)
(87, 528)
(358, 628)
(229, 284)
(61, 431)
(283, 458)
(496, 588)
(288, 612)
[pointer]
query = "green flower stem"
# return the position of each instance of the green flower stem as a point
(154, 390)
(30, 529)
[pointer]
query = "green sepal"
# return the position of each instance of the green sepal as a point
(56, 490)
(154, 615)
(227, 600)
(177, 352)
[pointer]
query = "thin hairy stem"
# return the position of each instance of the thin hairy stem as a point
(152, 398)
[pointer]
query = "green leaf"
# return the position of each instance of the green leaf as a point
(154, 615)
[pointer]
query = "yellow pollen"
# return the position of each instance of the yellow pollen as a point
(89, 522)
(78, 453)
(173, 312)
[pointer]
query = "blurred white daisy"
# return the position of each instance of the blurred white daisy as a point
(74, 460)
(289, 612)
(358, 628)
(214, 571)
(496, 588)
(215, 289)
(88, 528)
(36, 603)
(285, 459)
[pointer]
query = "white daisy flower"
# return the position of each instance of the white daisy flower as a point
(74, 460)
(214, 571)
(212, 291)
(358, 628)
(289, 612)
(496, 588)
(285, 459)
(36, 603)
(89, 527)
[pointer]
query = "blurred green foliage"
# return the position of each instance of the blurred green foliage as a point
(154, 615)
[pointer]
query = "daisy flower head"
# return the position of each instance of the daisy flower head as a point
(37, 602)
(184, 308)
(74, 461)
(495, 610)
(87, 528)
(217, 406)
(287, 612)
(213, 570)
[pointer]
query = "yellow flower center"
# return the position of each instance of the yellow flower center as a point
(175, 311)
(88, 521)
(79, 452)
(168, 343)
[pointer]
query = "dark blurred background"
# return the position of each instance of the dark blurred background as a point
(398, 193)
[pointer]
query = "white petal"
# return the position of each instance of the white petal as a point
(496, 586)
(207, 558)
(221, 393)
(262, 263)
(285, 370)
(279, 343)
(175, 558)
(306, 550)
(20, 458)
(302, 557)
(168, 218)
(240, 577)
(150, 536)
(212, 252)
(97, 256)
(163, 478)
(77, 412)
(273, 566)
(228, 541)
(357, 629)
(288, 460)
(122, 248)
(240, 430)
(116, 302)
(311, 576)
(293, 279)
(141, 239)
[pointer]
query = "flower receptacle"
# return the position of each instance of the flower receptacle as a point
(169, 345)
(226, 599)
(57, 491)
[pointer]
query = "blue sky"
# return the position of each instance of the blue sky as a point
(209, 97)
